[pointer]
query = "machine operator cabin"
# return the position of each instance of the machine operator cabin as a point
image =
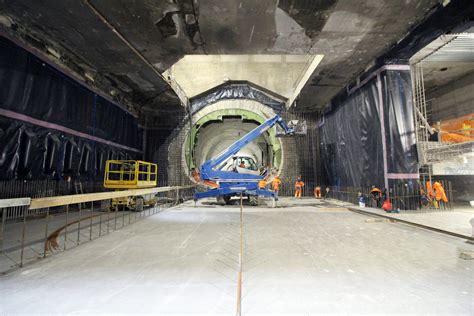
(204, 157)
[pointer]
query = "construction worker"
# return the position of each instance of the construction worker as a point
(298, 187)
(262, 183)
(317, 192)
(429, 190)
(326, 195)
(376, 196)
(439, 192)
(276, 186)
(424, 198)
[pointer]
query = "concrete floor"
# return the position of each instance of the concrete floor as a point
(35, 234)
(305, 257)
(457, 220)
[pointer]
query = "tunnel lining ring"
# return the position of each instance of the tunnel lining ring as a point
(219, 115)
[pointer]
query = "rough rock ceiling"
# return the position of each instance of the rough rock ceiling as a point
(349, 33)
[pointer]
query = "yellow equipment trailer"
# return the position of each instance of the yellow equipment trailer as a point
(131, 174)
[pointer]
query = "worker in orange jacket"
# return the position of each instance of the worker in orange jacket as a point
(298, 187)
(276, 186)
(262, 184)
(439, 192)
(317, 192)
(376, 196)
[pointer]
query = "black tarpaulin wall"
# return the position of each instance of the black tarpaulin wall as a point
(399, 125)
(51, 126)
(233, 91)
(361, 147)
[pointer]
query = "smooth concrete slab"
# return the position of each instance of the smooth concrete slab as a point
(304, 257)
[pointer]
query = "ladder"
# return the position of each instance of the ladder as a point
(78, 187)
(78, 190)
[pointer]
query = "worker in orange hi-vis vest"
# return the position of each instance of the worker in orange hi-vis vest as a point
(298, 187)
(276, 186)
(429, 190)
(262, 184)
(317, 192)
(439, 192)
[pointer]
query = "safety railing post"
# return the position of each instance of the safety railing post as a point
(79, 224)
(108, 218)
(65, 227)
(91, 221)
(115, 217)
(123, 215)
(46, 233)
(100, 222)
(2, 230)
(23, 235)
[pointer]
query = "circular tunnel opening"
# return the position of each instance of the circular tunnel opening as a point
(214, 132)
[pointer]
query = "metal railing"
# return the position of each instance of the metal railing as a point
(70, 220)
(402, 196)
(41, 188)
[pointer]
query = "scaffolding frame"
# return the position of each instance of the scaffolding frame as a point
(430, 152)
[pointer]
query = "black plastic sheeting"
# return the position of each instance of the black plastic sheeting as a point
(32, 152)
(235, 91)
(399, 122)
(30, 87)
(351, 134)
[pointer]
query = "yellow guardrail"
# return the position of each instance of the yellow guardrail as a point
(91, 197)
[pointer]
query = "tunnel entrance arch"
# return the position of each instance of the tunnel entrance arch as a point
(222, 115)
(215, 130)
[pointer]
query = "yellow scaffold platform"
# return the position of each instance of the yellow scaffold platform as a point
(129, 174)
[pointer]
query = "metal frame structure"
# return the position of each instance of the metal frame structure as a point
(430, 152)
(129, 174)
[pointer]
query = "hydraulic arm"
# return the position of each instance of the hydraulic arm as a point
(233, 183)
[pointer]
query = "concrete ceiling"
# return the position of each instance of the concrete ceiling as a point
(278, 73)
(350, 34)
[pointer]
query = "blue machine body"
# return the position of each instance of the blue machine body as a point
(233, 183)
